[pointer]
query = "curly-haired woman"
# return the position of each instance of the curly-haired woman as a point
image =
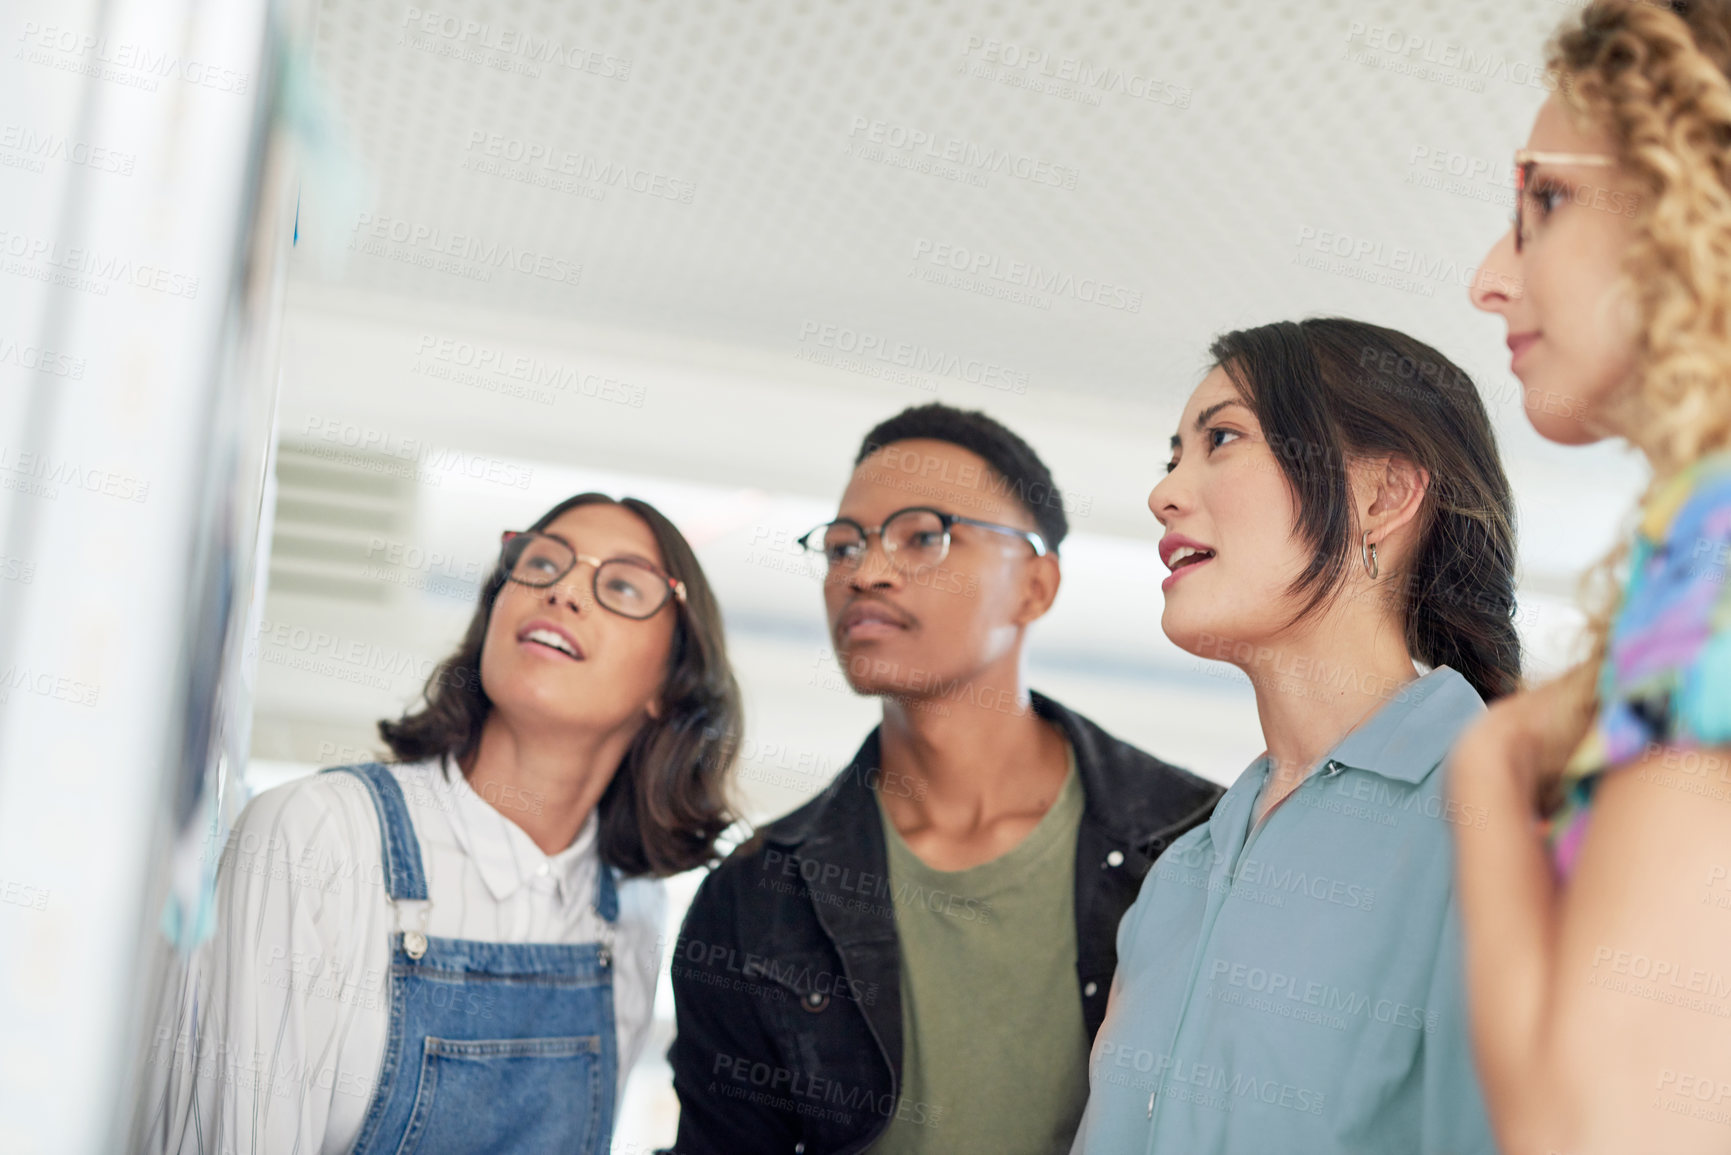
(457, 952)
(1598, 939)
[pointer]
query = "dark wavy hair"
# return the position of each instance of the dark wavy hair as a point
(1331, 390)
(667, 803)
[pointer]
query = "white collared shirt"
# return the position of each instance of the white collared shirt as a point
(274, 1041)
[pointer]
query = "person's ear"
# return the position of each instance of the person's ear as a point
(1040, 588)
(1392, 490)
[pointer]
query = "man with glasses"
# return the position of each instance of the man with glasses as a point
(918, 959)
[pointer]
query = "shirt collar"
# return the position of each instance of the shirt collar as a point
(1412, 732)
(1403, 741)
(504, 854)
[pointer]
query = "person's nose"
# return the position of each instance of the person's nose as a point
(1498, 282)
(1168, 498)
(573, 589)
(875, 570)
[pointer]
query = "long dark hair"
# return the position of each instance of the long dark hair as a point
(1330, 390)
(667, 803)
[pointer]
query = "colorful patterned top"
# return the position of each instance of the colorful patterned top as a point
(1667, 672)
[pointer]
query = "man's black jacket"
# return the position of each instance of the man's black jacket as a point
(786, 978)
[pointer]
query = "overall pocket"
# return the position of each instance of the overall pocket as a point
(487, 1096)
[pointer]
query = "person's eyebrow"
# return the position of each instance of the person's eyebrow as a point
(559, 537)
(1207, 414)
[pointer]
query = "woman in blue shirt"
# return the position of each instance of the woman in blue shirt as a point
(1289, 978)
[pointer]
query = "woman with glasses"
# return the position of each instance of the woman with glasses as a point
(456, 951)
(1289, 979)
(1597, 899)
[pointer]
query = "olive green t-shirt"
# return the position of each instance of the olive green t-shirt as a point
(994, 1049)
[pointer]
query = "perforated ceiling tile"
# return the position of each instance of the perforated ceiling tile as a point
(776, 183)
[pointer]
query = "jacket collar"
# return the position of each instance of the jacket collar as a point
(1115, 784)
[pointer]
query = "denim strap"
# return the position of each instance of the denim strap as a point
(402, 850)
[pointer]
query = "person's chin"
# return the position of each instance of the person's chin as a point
(869, 669)
(540, 696)
(1191, 632)
(1563, 412)
(1558, 419)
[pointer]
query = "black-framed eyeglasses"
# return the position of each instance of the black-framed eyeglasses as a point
(1526, 160)
(916, 537)
(628, 586)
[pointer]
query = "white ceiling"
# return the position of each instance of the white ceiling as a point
(754, 108)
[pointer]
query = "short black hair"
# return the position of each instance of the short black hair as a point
(1023, 475)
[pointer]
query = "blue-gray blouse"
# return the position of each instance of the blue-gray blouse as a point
(1297, 987)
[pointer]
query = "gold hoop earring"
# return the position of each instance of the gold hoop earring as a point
(1367, 551)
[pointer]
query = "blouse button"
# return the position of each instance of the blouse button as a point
(1332, 768)
(1090, 989)
(816, 1001)
(542, 869)
(1115, 858)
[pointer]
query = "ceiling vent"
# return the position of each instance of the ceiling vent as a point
(336, 510)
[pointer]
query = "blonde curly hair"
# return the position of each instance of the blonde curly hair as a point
(1656, 78)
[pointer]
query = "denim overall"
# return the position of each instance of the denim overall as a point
(492, 1047)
